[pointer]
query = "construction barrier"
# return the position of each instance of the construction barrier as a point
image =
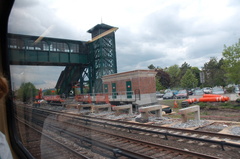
(83, 98)
(53, 98)
(102, 98)
(206, 98)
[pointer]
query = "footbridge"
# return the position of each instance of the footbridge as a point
(84, 61)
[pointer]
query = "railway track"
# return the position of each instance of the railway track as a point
(207, 137)
(112, 144)
(160, 134)
(51, 147)
(127, 146)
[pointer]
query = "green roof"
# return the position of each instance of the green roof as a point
(100, 26)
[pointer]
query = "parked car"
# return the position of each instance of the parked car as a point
(169, 95)
(236, 89)
(182, 94)
(190, 91)
(159, 94)
(198, 92)
(175, 92)
(217, 90)
(207, 90)
(167, 90)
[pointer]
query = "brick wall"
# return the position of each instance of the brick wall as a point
(144, 80)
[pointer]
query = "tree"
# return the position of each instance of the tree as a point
(196, 73)
(213, 72)
(221, 74)
(173, 72)
(151, 67)
(231, 62)
(50, 92)
(27, 92)
(159, 85)
(163, 79)
(189, 80)
(183, 69)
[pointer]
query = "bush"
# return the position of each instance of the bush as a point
(238, 100)
(230, 90)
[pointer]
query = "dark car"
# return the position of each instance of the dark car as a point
(190, 92)
(182, 94)
(169, 95)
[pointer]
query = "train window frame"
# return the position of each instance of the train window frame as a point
(17, 148)
(66, 49)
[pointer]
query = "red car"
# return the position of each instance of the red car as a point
(182, 94)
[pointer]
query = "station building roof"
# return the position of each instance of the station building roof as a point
(100, 26)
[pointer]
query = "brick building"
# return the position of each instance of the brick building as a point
(138, 85)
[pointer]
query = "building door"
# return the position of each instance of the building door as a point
(129, 89)
(105, 88)
(114, 90)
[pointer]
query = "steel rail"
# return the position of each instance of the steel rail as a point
(166, 134)
(125, 152)
(57, 142)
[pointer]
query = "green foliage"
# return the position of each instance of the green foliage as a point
(50, 92)
(159, 85)
(226, 104)
(189, 80)
(204, 105)
(230, 89)
(213, 72)
(183, 69)
(173, 71)
(231, 60)
(151, 67)
(163, 79)
(218, 105)
(196, 72)
(170, 102)
(238, 100)
(27, 92)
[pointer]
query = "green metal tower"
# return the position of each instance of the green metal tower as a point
(102, 51)
(85, 61)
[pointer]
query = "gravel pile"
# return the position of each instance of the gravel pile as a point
(215, 127)
(103, 113)
(122, 116)
(235, 131)
(163, 120)
(84, 111)
(191, 123)
(56, 108)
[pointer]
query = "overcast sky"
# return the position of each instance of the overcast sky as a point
(158, 32)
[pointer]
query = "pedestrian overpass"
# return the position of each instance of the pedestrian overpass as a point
(84, 61)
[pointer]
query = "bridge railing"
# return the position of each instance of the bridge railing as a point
(106, 97)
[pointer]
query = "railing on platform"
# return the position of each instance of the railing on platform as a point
(106, 97)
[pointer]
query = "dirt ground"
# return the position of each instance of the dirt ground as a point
(221, 114)
(212, 111)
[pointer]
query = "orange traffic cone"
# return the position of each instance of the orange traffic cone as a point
(175, 104)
